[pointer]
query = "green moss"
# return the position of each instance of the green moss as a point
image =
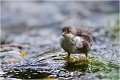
(114, 33)
(94, 64)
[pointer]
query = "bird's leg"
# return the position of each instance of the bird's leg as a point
(86, 54)
(68, 55)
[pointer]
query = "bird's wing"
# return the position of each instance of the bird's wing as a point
(84, 31)
(85, 34)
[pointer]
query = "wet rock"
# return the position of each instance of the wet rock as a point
(1, 71)
(38, 38)
(11, 56)
(52, 76)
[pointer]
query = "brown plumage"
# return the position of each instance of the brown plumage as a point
(71, 40)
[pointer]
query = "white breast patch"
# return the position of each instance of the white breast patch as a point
(78, 41)
(71, 43)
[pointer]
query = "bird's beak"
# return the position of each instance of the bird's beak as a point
(63, 33)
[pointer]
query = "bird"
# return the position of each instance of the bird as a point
(76, 40)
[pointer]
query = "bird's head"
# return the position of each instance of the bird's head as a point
(68, 31)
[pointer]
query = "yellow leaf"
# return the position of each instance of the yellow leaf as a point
(22, 54)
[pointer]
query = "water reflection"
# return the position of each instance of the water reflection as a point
(81, 65)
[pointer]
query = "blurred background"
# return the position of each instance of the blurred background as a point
(25, 17)
(38, 25)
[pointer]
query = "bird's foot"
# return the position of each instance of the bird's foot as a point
(68, 59)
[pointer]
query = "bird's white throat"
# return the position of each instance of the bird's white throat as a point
(68, 36)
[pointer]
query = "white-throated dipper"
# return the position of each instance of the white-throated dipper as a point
(76, 40)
